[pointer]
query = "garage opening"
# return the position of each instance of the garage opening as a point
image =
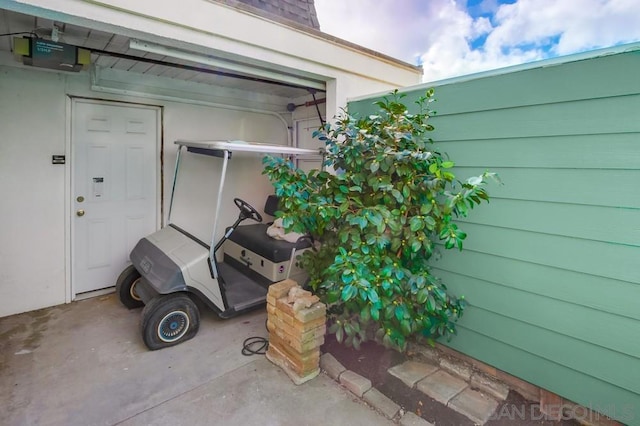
(200, 95)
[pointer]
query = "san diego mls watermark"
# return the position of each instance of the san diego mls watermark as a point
(593, 413)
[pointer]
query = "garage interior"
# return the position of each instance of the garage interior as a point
(200, 96)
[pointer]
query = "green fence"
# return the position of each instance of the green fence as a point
(551, 267)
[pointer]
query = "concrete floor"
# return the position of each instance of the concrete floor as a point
(85, 364)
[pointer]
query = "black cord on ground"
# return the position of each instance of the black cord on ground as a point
(255, 346)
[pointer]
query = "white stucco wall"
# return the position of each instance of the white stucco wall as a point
(32, 235)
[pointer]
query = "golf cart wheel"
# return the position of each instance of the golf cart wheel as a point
(126, 288)
(169, 320)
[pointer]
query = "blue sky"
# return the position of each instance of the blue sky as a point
(458, 37)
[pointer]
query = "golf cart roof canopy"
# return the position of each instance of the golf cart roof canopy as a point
(224, 150)
(215, 148)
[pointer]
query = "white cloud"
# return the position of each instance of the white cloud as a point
(577, 25)
(439, 33)
(398, 28)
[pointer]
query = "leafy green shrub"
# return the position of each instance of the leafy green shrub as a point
(392, 197)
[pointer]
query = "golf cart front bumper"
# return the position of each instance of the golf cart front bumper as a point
(158, 271)
(172, 261)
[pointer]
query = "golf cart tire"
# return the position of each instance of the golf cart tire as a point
(169, 320)
(126, 288)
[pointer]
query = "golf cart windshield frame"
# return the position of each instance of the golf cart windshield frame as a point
(224, 150)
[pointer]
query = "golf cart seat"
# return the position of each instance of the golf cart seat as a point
(254, 238)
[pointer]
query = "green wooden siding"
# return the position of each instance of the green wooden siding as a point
(551, 267)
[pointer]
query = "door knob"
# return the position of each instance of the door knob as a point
(80, 212)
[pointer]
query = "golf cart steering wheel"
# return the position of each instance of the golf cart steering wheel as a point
(247, 211)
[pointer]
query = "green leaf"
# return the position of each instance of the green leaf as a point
(416, 223)
(447, 164)
(389, 312)
(375, 313)
(400, 312)
(440, 294)
(448, 176)
(356, 343)
(363, 294)
(348, 329)
(430, 222)
(373, 295)
(365, 314)
(348, 292)
(287, 221)
(425, 208)
(406, 191)
(362, 222)
(431, 304)
(422, 295)
(333, 296)
(405, 326)
(401, 342)
(445, 232)
(374, 166)
(347, 277)
(397, 195)
(375, 218)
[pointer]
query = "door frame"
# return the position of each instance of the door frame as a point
(297, 123)
(70, 106)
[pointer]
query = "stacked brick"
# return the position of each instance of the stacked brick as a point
(297, 324)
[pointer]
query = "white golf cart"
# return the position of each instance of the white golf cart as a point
(171, 268)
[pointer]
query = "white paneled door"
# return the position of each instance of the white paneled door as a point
(113, 188)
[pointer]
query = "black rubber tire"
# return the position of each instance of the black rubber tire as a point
(126, 288)
(169, 320)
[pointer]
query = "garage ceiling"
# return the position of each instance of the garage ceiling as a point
(135, 61)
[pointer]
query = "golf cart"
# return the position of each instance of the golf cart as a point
(171, 268)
